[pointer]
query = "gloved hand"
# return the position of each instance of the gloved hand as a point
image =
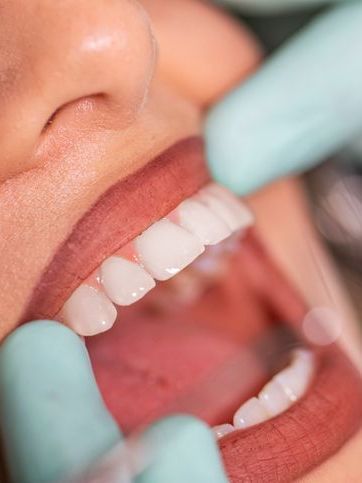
(303, 103)
(275, 6)
(54, 423)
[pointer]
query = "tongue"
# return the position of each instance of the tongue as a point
(149, 368)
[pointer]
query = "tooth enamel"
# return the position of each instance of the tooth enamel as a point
(124, 282)
(239, 208)
(295, 378)
(273, 398)
(202, 222)
(88, 311)
(166, 248)
(279, 394)
(222, 430)
(250, 413)
(225, 205)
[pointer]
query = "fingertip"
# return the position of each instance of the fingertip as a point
(286, 118)
(52, 416)
(184, 449)
(227, 144)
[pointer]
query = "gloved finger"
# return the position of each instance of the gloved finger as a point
(52, 418)
(185, 450)
(176, 449)
(304, 103)
(275, 6)
(54, 424)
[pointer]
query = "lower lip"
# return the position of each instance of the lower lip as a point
(286, 446)
(308, 433)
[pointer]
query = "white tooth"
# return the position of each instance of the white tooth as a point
(88, 311)
(202, 222)
(125, 282)
(239, 207)
(250, 413)
(303, 356)
(222, 430)
(276, 396)
(292, 385)
(295, 378)
(273, 398)
(166, 248)
(224, 204)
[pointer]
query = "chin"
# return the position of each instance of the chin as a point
(193, 301)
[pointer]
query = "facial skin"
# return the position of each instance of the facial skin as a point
(118, 88)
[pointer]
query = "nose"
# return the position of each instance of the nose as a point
(55, 53)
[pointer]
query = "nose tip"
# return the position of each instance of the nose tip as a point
(104, 49)
(112, 53)
(71, 51)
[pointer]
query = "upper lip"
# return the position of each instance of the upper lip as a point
(126, 209)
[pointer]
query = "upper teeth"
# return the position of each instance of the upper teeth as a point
(124, 282)
(166, 248)
(160, 252)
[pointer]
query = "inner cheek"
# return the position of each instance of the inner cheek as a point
(295, 246)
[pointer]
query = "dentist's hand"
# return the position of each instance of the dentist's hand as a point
(303, 103)
(276, 6)
(54, 424)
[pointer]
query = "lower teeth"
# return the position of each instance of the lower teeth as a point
(283, 390)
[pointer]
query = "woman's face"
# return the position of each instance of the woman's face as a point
(93, 91)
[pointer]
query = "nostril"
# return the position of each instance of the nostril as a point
(50, 121)
(84, 114)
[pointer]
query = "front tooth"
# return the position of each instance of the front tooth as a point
(274, 398)
(250, 413)
(166, 248)
(88, 311)
(202, 222)
(222, 430)
(125, 282)
(224, 204)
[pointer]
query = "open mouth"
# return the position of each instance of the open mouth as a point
(197, 319)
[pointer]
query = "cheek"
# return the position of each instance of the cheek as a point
(215, 55)
(37, 210)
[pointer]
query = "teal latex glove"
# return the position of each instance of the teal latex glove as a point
(304, 103)
(275, 6)
(54, 423)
